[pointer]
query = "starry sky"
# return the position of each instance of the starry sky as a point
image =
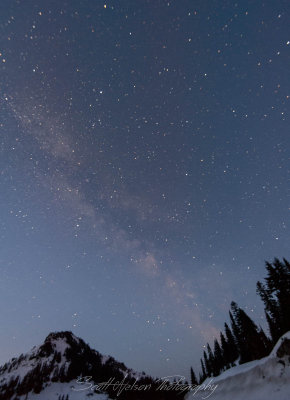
(144, 171)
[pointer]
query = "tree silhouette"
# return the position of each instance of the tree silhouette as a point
(193, 377)
(249, 338)
(218, 360)
(275, 293)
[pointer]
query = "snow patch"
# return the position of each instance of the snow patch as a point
(60, 345)
(264, 379)
(54, 390)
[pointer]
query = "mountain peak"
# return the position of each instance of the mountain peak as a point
(59, 342)
(62, 358)
(63, 336)
(59, 335)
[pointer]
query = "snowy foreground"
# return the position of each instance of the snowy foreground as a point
(56, 391)
(265, 379)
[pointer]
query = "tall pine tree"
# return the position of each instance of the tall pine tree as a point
(193, 377)
(218, 361)
(275, 293)
(207, 364)
(203, 372)
(210, 359)
(249, 338)
(232, 351)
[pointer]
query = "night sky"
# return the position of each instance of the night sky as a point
(144, 171)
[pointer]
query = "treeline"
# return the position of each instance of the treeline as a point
(243, 340)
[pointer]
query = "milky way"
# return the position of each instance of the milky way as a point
(144, 171)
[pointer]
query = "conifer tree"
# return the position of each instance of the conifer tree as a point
(224, 350)
(275, 294)
(232, 352)
(203, 376)
(210, 359)
(218, 361)
(234, 325)
(249, 338)
(207, 364)
(193, 377)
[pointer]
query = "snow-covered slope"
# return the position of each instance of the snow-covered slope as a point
(50, 371)
(265, 379)
(63, 391)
